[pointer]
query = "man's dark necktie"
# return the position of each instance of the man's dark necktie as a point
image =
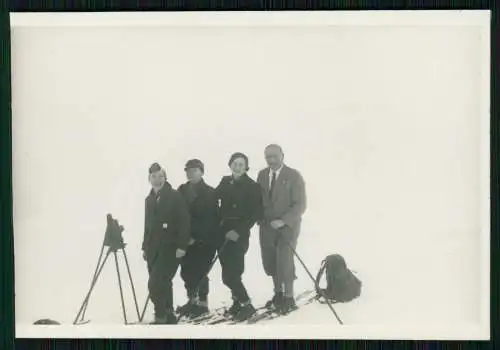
(273, 182)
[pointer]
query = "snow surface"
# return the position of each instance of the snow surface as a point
(396, 287)
(391, 179)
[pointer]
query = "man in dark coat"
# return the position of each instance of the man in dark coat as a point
(284, 198)
(166, 236)
(203, 208)
(240, 208)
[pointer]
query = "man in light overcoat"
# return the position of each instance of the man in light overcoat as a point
(284, 201)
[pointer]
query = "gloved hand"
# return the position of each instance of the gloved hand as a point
(232, 236)
(179, 253)
(277, 224)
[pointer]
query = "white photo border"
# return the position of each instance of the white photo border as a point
(479, 18)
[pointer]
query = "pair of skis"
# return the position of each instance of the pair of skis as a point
(218, 316)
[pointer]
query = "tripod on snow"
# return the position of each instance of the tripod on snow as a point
(113, 240)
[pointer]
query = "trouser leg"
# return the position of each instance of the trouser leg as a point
(194, 269)
(278, 286)
(232, 260)
(207, 255)
(286, 262)
(269, 252)
(188, 266)
(162, 270)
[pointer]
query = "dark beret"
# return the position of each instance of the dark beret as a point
(154, 168)
(237, 155)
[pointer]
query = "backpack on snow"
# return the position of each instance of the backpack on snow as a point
(341, 283)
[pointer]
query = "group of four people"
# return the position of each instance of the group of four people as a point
(188, 227)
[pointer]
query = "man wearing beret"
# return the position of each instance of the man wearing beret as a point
(166, 236)
(240, 208)
(203, 208)
(284, 198)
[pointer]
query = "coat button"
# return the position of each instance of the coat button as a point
(234, 205)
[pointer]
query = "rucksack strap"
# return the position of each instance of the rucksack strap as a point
(320, 274)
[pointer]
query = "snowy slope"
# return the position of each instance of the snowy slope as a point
(395, 288)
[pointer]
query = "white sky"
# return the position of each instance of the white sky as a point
(383, 123)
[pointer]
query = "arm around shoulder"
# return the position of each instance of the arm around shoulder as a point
(220, 186)
(260, 176)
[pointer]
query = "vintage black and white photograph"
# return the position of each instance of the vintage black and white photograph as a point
(203, 175)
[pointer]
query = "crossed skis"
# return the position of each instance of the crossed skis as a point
(218, 315)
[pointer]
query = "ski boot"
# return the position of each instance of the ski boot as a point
(275, 302)
(186, 309)
(168, 318)
(171, 318)
(159, 320)
(245, 312)
(287, 305)
(198, 309)
(234, 309)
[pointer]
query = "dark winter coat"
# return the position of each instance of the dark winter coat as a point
(167, 207)
(203, 209)
(240, 204)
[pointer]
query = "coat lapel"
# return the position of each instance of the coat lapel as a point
(278, 186)
(202, 190)
(164, 202)
(265, 185)
(191, 194)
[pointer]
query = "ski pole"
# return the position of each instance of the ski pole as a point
(141, 317)
(212, 263)
(278, 276)
(214, 260)
(149, 296)
(314, 281)
(144, 309)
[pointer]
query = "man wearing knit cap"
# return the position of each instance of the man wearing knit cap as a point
(166, 236)
(240, 208)
(203, 208)
(284, 197)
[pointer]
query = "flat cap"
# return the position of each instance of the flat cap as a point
(195, 163)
